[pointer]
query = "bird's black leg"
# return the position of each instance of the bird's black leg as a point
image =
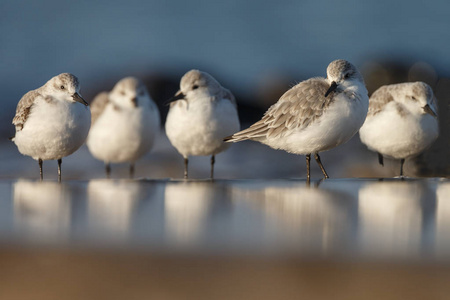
(186, 162)
(402, 161)
(308, 163)
(380, 159)
(213, 160)
(59, 169)
(131, 170)
(41, 172)
(317, 157)
(108, 170)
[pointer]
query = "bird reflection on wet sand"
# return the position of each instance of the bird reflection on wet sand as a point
(443, 219)
(111, 206)
(396, 218)
(191, 210)
(302, 217)
(42, 210)
(338, 218)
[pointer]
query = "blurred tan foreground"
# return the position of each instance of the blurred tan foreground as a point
(65, 274)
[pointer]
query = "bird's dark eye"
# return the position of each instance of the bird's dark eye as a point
(62, 87)
(347, 76)
(195, 87)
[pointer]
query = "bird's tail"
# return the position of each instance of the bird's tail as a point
(255, 132)
(235, 138)
(228, 139)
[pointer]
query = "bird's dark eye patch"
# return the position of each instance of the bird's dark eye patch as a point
(194, 87)
(122, 93)
(62, 87)
(349, 74)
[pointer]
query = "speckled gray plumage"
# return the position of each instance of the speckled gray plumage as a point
(128, 83)
(98, 106)
(385, 94)
(297, 109)
(23, 109)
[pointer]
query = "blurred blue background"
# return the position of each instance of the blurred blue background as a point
(258, 49)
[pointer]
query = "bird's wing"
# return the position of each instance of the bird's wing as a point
(23, 109)
(98, 105)
(226, 94)
(379, 99)
(298, 108)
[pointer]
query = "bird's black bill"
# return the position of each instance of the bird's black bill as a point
(78, 98)
(178, 96)
(428, 110)
(134, 101)
(331, 88)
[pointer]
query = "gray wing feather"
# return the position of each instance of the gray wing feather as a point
(379, 99)
(98, 105)
(23, 109)
(298, 108)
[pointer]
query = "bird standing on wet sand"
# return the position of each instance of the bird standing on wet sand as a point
(52, 121)
(401, 122)
(202, 113)
(315, 115)
(125, 123)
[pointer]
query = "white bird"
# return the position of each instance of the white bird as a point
(52, 121)
(125, 124)
(315, 115)
(202, 113)
(401, 122)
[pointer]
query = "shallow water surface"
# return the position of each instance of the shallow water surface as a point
(341, 218)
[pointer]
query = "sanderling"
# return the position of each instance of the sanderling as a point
(315, 115)
(202, 113)
(52, 121)
(125, 123)
(401, 122)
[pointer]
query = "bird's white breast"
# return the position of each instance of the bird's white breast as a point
(54, 129)
(123, 135)
(198, 127)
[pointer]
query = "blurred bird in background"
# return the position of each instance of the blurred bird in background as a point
(125, 123)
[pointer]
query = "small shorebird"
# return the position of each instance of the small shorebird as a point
(316, 115)
(52, 121)
(401, 122)
(125, 123)
(202, 113)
